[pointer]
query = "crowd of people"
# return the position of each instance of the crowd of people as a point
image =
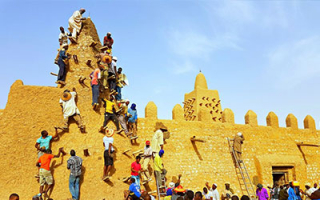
(107, 82)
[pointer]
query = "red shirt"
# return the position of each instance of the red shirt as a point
(107, 42)
(45, 160)
(95, 77)
(136, 166)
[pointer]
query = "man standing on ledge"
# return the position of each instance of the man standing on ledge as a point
(157, 140)
(237, 143)
(74, 164)
(159, 170)
(75, 24)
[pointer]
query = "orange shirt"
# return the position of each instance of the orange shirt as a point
(45, 160)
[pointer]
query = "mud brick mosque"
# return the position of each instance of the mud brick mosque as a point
(270, 152)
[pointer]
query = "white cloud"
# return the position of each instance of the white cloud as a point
(292, 64)
(192, 44)
(182, 68)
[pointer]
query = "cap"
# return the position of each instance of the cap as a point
(114, 58)
(147, 142)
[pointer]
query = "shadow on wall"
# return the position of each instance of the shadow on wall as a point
(83, 171)
(196, 150)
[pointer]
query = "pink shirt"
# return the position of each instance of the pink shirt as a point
(95, 77)
(136, 167)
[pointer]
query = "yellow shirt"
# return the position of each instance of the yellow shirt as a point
(109, 106)
(158, 163)
(120, 80)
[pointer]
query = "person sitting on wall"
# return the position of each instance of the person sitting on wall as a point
(110, 115)
(157, 140)
(75, 24)
(70, 109)
(262, 192)
(45, 173)
(237, 143)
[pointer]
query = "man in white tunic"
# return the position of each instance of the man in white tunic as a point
(157, 140)
(70, 109)
(75, 23)
(213, 192)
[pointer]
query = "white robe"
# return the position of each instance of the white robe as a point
(157, 140)
(75, 21)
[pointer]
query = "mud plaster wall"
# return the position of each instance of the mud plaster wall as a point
(31, 109)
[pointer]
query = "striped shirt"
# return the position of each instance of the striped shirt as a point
(74, 164)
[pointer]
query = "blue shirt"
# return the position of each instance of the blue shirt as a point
(292, 194)
(135, 189)
(44, 142)
(134, 116)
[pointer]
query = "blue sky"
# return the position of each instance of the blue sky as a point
(259, 55)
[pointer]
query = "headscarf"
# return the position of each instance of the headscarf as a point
(169, 192)
(161, 152)
(133, 106)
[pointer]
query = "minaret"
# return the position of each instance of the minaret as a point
(203, 100)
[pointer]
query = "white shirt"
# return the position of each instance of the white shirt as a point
(63, 37)
(107, 141)
(111, 69)
(147, 151)
(69, 107)
(214, 194)
(207, 196)
(309, 192)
